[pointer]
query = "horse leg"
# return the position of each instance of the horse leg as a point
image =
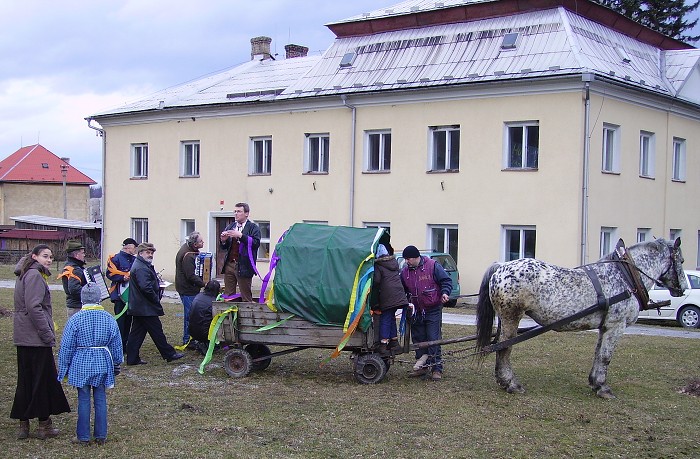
(607, 340)
(504, 371)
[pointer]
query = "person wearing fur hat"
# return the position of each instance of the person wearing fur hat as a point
(73, 275)
(118, 267)
(145, 308)
(90, 356)
(428, 286)
(388, 295)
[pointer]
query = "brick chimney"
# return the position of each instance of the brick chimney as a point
(295, 51)
(65, 160)
(260, 48)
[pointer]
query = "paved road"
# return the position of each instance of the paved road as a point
(470, 319)
(637, 329)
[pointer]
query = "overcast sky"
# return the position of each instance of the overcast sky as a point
(62, 61)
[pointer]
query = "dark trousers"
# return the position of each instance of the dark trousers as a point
(427, 326)
(124, 322)
(139, 327)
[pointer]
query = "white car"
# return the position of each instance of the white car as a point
(684, 309)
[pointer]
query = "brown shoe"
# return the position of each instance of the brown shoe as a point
(23, 431)
(436, 376)
(418, 372)
(46, 430)
(77, 441)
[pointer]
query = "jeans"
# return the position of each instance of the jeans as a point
(427, 326)
(387, 324)
(187, 304)
(83, 428)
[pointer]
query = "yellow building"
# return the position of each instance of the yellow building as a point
(484, 129)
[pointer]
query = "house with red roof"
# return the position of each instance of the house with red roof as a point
(32, 183)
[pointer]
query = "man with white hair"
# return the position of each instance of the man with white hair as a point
(187, 282)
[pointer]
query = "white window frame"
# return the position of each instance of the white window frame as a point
(643, 234)
(316, 222)
(674, 233)
(187, 226)
(139, 229)
(608, 239)
(678, 160)
(260, 156)
(647, 154)
(382, 156)
(523, 232)
(189, 158)
(444, 148)
(139, 160)
(385, 225)
(264, 252)
(316, 153)
(444, 238)
(529, 160)
(610, 155)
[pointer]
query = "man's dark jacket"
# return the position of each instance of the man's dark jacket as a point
(251, 236)
(187, 283)
(71, 285)
(144, 290)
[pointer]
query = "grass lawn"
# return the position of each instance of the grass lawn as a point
(296, 409)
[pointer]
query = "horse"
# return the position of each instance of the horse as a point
(548, 293)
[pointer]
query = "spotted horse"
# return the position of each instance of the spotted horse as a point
(606, 295)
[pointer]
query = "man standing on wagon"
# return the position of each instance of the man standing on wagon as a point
(241, 240)
(428, 286)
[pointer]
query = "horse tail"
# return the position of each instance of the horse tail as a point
(484, 310)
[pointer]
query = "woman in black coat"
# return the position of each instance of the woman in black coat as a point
(389, 293)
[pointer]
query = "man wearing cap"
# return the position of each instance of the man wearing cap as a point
(428, 286)
(145, 308)
(118, 267)
(73, 276)
(187, 282)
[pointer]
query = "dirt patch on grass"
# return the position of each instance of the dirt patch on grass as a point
(691, 388)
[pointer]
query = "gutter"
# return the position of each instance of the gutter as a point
(353, 128)
(101, 132)
(586, 78)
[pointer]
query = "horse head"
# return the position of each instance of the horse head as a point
(673, 278)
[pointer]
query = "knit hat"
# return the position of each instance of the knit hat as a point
(72, 246)
(145, 246)
(381, 251)
(129, 240)
(411, 252)
(90, 294)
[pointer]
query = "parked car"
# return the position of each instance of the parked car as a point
(447, 262)
(684, 309)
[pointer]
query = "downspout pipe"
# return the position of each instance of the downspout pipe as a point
(587, 78)
(353, 127)
(101, 132)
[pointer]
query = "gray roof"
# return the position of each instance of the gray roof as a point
(407, 7)
(57, 222)
(550, 42)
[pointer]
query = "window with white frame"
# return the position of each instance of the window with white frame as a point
(674, 234)
(139, 160)
(189, 159)
(607, 240)
(519, 242)
(647, 153)
(316, 222)
(385, 225)
(377, 151)
(186, 228)
(643, 234)
(139, 229)
(316, 157)
(678, 166)
(260, 160)
(611, 148)
(444, 238)
(522, 145)
(264, 249)
(444, 148)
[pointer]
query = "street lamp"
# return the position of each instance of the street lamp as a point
(64, 173)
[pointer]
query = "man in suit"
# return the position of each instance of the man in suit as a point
(241, 240)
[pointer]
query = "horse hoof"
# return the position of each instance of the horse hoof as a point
(605, 393)
(515, 389)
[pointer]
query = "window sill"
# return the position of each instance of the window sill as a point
(647, 177)
(377, 172)
(442, 171)
(520, 169)
(141, 177)
(262, 174)
(189, 176)
(677, 180)
(609, 172)
(314, 173)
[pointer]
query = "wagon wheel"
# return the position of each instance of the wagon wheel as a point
(257, 351)
(237, 363)
(369, 368)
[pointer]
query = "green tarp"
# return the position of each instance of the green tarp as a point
(316, 272)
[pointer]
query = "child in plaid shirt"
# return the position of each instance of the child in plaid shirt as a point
(91, 356)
